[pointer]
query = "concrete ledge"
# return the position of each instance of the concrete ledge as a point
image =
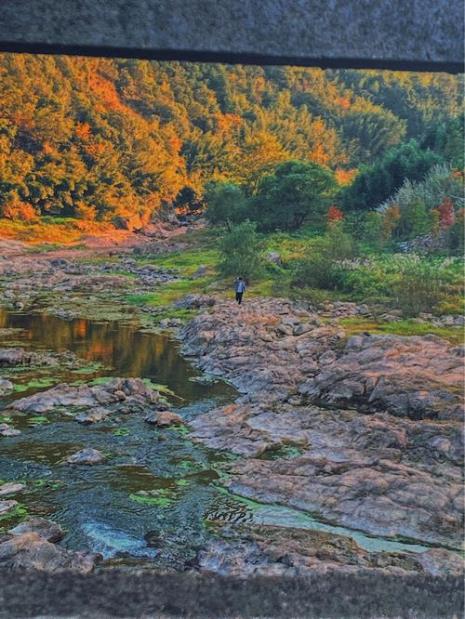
(392, 34)
(121, 593)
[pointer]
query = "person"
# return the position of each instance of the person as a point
(239, 287)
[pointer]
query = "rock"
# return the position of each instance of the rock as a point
(45, 529)
(368, 435)
(7, 506)
(11, 488)
(276, 551)
(170, 323)
(6, 387)
(31, 551)
(130, 394)
(201, 272)
(302, 328)
(441, 562)
(274, 257)
(86, 456)
(7, 430)
(92, 416)
(15, 356)
(164, 419)
(59, 263)
(195, 301)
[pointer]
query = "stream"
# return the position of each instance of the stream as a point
(101, 507)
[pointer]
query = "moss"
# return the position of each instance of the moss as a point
(186, 262)
(13, 517)
(38, 420)
(37, 383)
(120, 432)
(354, 326)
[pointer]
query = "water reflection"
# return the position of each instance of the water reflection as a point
(120, 346)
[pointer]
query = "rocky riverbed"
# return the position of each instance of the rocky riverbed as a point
(340, 453)
(365, 432)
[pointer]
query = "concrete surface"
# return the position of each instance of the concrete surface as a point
(118, 593)
(407, 34)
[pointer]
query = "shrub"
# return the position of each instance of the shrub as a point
(226, 203)
(316, 272)
(414, 220)
(334, 214)
(377, 182)
(419, 287)
(455, 234)
(373, 231)
(240, 252)
(85, 211)
(17, 210)
(322, 268)
(338, 244)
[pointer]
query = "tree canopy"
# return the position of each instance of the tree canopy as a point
(104, 138)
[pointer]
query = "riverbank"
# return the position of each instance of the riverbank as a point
(363, 432)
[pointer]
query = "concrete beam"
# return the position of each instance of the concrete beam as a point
(387, 34)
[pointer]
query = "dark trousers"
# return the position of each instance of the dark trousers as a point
(239, 297)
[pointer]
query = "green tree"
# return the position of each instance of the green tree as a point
(240, 252)
(377, 182)
(295, 193)
(226, 203)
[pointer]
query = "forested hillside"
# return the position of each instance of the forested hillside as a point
(100, 138)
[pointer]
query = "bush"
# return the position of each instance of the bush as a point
(338, 244)
(17, 210)
(372, 230)
(85, 211)
(455, 234)
(419, 287)
(414, 220)
(376, 183)
(226, 203)
(240, 252)
(322, 268)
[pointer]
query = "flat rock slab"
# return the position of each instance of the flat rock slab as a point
(11, 488)
(86, 456)
(365, 432)
(124, 395)
(7, 506)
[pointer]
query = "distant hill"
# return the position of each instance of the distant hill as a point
(101, 138)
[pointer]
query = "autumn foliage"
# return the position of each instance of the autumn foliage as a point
(334, 214)
(446, 213)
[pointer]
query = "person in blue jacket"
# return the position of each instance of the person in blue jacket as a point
(239, 287)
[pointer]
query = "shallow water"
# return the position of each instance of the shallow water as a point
(154, 497)
(98, 505)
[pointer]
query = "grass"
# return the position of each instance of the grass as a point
(187, 262)
(165, 296)
(354, 326)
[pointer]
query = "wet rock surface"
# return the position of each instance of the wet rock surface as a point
(86, 456)
(373, 424)
(163, 419)
(32, 545)
(94, 402)
(274, 551)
